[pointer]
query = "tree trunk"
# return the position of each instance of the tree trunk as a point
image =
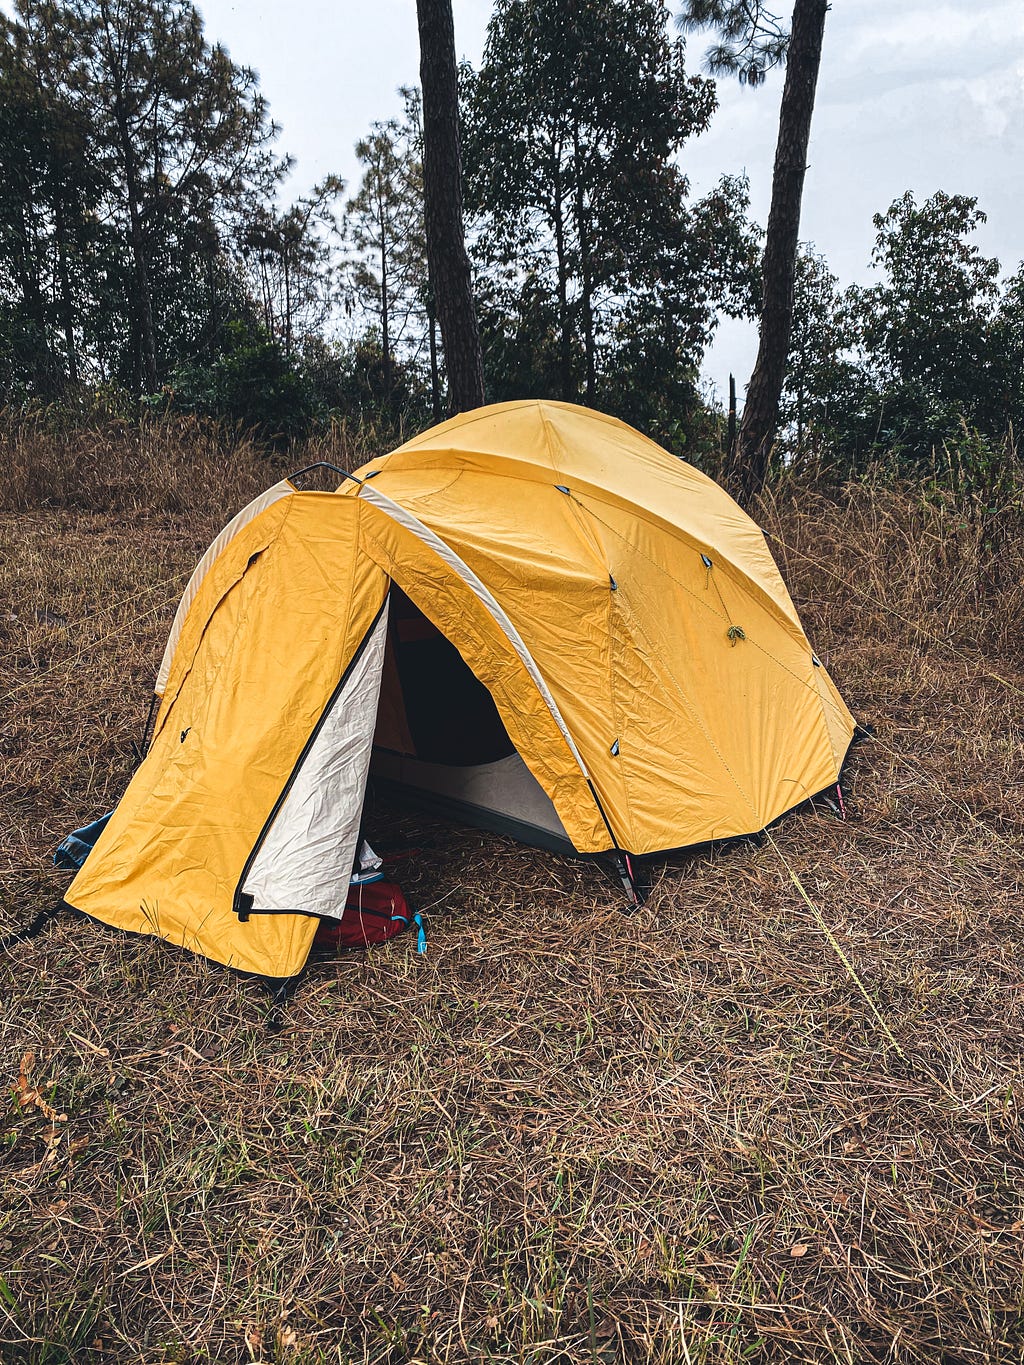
(143, 299)
(442, 203)
(287, 302)
(67, 310)
(268, 303)
(435, 380)
(586, 276)
(27, 269)
(385, 320)
(211, 284)
(761, 409)
(564, 335)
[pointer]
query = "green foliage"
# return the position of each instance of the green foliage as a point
(1005, 368)
(597, 278)
(928, 321)
(354, 379)
(751, 38)
(251, 383)
(921, 372)
(819, 376)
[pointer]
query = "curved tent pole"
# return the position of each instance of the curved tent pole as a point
(448, 556)
(323, 464)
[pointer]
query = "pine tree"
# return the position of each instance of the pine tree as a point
(752, 40)
(599, 271)
(451, 280)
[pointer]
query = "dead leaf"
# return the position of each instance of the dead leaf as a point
(45, 1108)
(286, 1338)
(30, 1095)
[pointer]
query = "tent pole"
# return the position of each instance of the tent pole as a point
(622, 860)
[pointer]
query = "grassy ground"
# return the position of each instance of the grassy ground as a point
(564, 1135)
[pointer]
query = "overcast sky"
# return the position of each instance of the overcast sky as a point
(920, 95)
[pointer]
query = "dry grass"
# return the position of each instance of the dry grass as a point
(174, 464)
(566, 1135)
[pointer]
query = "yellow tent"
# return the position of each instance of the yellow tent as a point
(530, 616)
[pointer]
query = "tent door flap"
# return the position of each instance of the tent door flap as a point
(303, 859)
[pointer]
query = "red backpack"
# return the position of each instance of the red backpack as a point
(374, 912)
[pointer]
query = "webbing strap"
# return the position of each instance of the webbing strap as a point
(41, 922)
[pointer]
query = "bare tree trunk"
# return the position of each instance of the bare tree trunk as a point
(435, 379)
(211, 284)
(268, 306)
(143, 297)
(27, 268)
(586, 278)
(442, 203)
(761, 409)
(287, 302)
(67, 311)
(385, 321)
(564, 336)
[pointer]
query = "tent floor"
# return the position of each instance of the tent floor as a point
(503, 796)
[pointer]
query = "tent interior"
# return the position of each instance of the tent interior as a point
(440, 743)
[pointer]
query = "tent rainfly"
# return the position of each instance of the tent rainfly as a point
(530, 616)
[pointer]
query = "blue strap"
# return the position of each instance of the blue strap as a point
(421, 935)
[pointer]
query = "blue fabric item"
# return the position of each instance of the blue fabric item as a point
(72, 853)
(365, 878)
(421, 937)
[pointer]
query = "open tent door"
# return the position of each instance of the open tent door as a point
(304, 856)
(250, 795)
(441, 744)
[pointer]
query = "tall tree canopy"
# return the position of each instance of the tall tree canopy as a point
(596, 270)
(388, 274)
(904, 368)
(53, 236)
(162, 141)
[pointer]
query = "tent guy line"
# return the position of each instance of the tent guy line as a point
(67, 664)
(898, 616)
